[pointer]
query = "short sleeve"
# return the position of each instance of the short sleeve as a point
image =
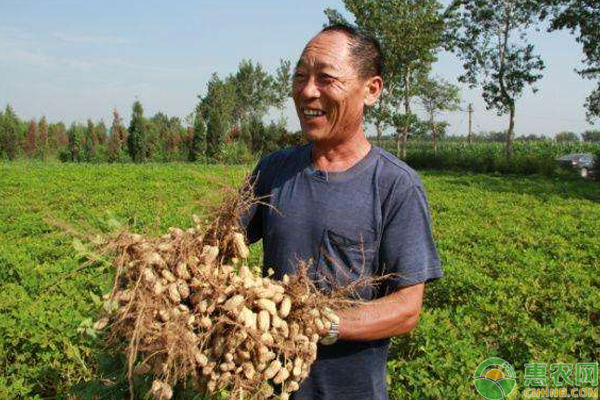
(407, 250)
(252, 219)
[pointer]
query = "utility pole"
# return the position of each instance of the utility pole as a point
(470, 111)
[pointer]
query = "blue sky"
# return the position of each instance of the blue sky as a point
(73, 60)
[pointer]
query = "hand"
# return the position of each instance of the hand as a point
(385, 317)
(323, 329)
(328, 333)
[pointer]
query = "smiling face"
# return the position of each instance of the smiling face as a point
(328, 93)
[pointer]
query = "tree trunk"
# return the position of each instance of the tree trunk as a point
(398, 141)
(379, 130)
(470, 134)
(379, 125)
(510, 133)
(507, 99)
(407, 112)
(433, 133)
(404, 140)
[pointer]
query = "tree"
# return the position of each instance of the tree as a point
(74, 135)
(583, 17)
(591, 136)
(9, 134)
(118, 128)
(152, 141)
(532, 137)
(283, 83)
(495, 136)
(137, 139)
(90, 143)
(175, 147)
(160, 123)
(410, 33)
(42, 147)
(122, 133)
(100, 132)
(218, 109)
(57, 138)
(117, 140)
(566, 137)
(254, 91)
(491, 39)
(438, 96)
(30, 139)
(198, 144)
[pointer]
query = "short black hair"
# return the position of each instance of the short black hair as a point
(364, 48)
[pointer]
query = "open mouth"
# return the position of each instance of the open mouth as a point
(311, 113)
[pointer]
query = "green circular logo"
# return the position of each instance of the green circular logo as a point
(495, 379)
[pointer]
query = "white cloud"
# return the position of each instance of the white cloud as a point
(90, 39)
(22, 56)
(21, 48)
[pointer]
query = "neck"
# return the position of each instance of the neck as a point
(340, 156)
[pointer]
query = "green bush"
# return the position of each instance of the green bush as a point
(235, 152)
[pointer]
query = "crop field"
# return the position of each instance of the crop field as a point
(521, 257)
(529, 158)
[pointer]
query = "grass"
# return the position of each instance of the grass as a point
(521, 258)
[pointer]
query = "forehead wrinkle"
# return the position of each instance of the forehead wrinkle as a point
(339, 70)
(313, 62)
(335, 59)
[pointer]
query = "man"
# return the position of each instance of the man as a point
(353, 209)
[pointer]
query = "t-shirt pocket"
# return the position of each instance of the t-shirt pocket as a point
(346, 263)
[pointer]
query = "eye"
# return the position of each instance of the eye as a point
(326, 78)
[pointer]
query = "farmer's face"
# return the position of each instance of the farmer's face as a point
(327, 91)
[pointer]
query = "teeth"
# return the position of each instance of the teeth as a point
(313, 113)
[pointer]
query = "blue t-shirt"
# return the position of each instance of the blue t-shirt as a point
(369, 220)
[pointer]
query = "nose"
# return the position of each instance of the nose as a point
(308, 89)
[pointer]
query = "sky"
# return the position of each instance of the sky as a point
(74, 60)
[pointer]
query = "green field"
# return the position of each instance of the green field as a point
(521, 258)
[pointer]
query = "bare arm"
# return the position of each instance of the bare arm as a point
(388, 316)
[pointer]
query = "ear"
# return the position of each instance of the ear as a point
(373, 88)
